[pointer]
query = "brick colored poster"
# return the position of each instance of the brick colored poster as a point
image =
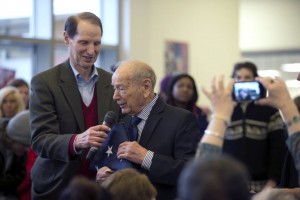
(6, 75)
(176, 57)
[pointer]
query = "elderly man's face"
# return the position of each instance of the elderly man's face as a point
(128, 93)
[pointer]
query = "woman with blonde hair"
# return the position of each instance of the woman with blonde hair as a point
(11, 102)
(12, 145)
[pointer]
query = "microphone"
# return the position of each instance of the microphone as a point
(109, 119)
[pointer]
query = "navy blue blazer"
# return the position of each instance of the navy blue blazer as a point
(172, 134)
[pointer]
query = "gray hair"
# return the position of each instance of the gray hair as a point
(140, 71)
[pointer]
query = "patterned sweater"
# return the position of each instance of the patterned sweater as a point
(256, 137)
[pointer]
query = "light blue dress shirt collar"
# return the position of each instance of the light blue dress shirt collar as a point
(86, 87)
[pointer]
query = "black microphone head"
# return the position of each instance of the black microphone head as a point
(110, 118)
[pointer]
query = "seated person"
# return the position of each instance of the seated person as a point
(19, 125)
(214, 177)
(129, 184)
(81, 187)
(13, 148)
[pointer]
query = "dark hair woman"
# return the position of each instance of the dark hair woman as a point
(183, 94)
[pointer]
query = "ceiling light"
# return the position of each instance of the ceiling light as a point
(269, 73)
(291, 67)
(292, 83)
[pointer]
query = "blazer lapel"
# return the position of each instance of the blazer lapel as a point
(152, 121)
(72, 95)
(104, 94)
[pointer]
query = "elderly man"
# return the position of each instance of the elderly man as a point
(167, 136)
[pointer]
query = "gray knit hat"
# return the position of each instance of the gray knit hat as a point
(18, 128)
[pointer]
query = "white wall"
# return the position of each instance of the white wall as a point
(269, 25)
(210, 27)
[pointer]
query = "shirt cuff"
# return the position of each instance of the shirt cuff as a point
(72, 149)
(146, 164)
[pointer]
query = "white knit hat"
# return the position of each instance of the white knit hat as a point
(18, 128)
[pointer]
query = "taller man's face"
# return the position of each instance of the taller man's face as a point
(85, 46)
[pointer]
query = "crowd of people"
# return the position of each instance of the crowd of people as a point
(180, 150)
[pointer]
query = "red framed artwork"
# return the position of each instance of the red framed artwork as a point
(6, 75)
(176, 57)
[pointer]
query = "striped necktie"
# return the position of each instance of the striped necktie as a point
(134, 132)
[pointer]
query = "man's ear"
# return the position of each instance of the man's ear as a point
(66, 38)
(147, 85)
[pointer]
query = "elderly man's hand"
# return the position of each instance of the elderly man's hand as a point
(103, 173)
(132, 151)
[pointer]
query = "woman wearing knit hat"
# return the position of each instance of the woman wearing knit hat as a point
(18, 129)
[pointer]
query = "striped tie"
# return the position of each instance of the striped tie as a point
(134, 133)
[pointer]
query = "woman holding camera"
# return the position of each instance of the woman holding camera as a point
(256, 135)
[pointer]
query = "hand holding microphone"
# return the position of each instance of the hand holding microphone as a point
(109, 120)
(95, 135)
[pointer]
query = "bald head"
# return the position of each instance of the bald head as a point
(134, 83)
(136, 71)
